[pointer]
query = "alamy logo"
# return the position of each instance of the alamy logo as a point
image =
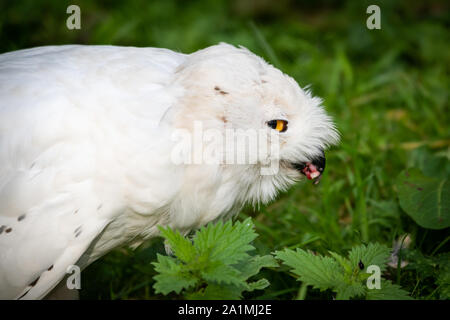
(74, 280)
(74, 20)
(374, 281)
(234, 146)
(374, 20)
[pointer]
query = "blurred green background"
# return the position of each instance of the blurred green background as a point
(387, 90)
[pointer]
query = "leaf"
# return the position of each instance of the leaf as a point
(217, 292)
(181, 246)
(225, 242)
(221, 273)
(443, 279)
(342, 261)
(255, 264)
(424, 266)
(372, 254)
(342, 275)
(318, 271)
(258, 285)
(166, 283)
(171, 276)
(345, 292)
(388, 291)
(217, 258)
(424, 199)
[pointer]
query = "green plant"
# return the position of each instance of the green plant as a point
(345, 276)
(431, 268)
(214, 265)
(425, 199)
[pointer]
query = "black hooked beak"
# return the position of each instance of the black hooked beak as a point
(312, 169)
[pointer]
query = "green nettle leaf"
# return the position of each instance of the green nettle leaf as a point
(347, 291)
(255, 264)
(258, 285)
(221, 273)
(388, 291)
(424, 199)
(214, 265)
(320, 272)
(342, 261)
(171, 277)
(373, 254)
(181, 246)
(216, 292)
(225, 242)
(345, 276)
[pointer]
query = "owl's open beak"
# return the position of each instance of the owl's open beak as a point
(312, 169)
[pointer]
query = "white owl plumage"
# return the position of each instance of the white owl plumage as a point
(86, 142)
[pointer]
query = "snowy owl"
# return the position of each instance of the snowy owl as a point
(87, 140)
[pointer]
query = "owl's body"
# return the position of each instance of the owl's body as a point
(86, 141)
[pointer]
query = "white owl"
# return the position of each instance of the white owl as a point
(87, 141)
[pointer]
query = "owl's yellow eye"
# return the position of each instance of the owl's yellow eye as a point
(279, 125)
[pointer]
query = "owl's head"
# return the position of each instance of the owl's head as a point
(230, 90)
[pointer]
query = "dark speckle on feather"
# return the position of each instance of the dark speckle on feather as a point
(2, 228)
(8, 230)
(50, 268)
(23, 295)
(20, 218)
(77, 231)
(32, 284)
(220, 90)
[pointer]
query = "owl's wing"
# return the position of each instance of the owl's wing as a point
(39, 244)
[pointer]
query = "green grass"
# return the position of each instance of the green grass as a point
(387, 90)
